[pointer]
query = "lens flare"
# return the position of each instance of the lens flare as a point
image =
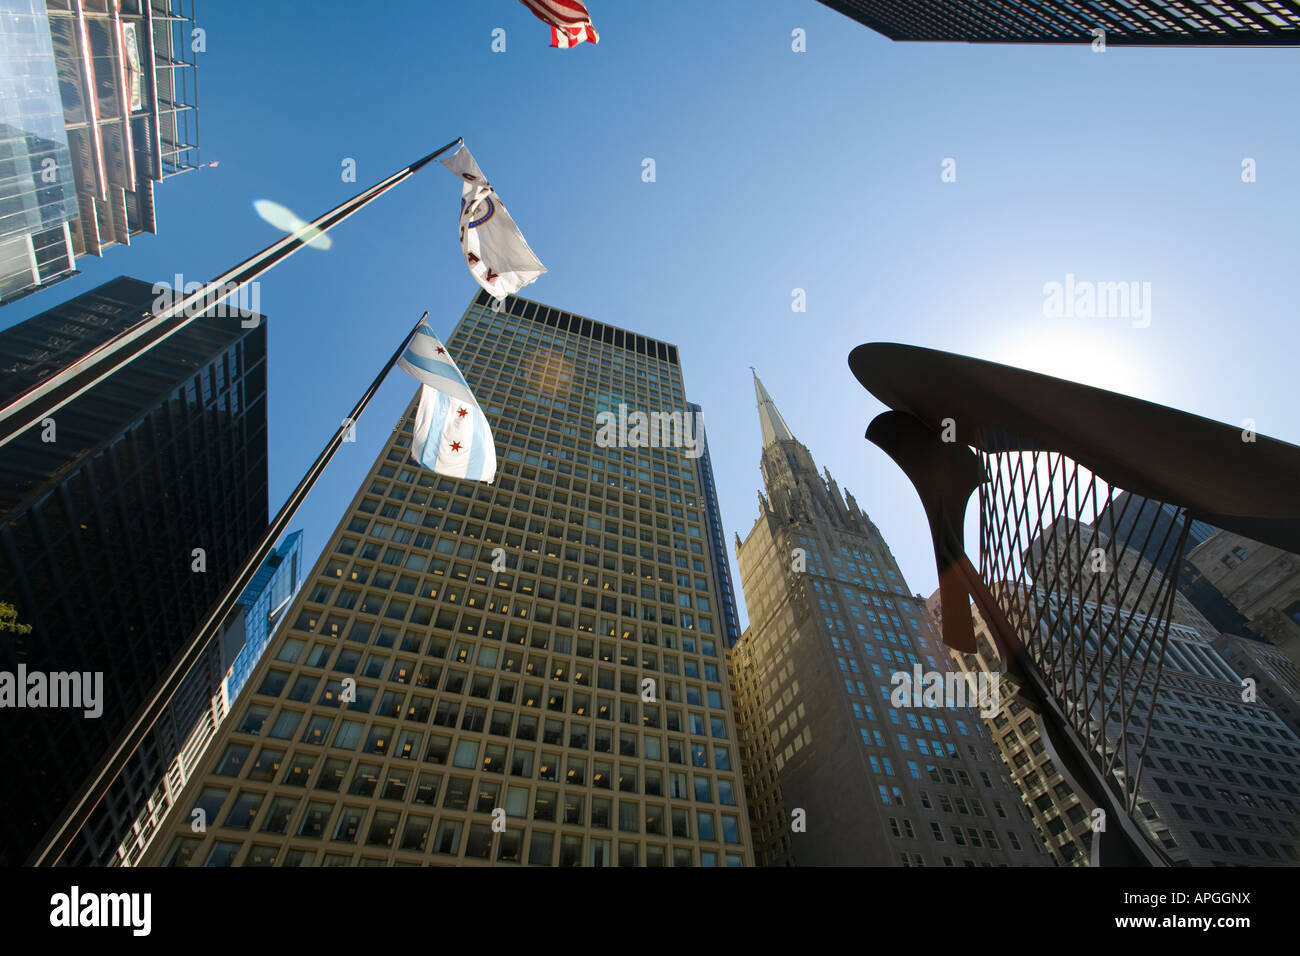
(286, 220)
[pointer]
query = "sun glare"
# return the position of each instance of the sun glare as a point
(1081, 356)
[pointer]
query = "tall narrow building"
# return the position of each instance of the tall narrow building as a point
(836, 774)
(525, 672)
(123, 518)
(237, 648)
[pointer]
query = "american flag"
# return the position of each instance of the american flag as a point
(569, 20)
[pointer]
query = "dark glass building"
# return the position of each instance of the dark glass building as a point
(1126, 22)
(713, 519)
(122, 520)
(38, 199)
(98, 102)
(1144, 525)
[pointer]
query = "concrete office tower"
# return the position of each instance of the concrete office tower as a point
(839, 775)
(97, 103)
(102, 512)
(1220, 784)
(1261, 581)
(543, 654)
(1234, 803)
(1277, 679)
(242, 640)
(1061, 819)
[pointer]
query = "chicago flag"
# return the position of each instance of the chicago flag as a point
(451, 432)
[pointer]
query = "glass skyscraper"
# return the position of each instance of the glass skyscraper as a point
(265, 600)
(523, 672)
(1141, 22)
(97, 103)
(236, 650)
(38, 198)
(104, 511)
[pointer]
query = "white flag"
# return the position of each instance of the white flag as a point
(452, 436)
(498, 256)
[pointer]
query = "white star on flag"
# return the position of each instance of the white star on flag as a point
(452, 436)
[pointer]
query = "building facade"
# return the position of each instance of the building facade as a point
(730, 619)
(1219, 783)
(239, 647)
(1060, 817)
(1132, 22)
(528, 672)
(836, 773)
(1261, 581)
(38, 199)
(122, 520)
(103, 106)
(265, 601)
(1276, 676)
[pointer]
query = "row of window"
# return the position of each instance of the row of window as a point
(474, 754)
(316, 730)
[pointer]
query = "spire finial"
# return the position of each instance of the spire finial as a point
(773, 425)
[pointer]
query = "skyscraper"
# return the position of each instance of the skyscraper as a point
(1060, 817)
(1136, 22)
(1143, 524)
(1218, 776)
(265, 602)
(1219, 780)
(840, 775)
(1276, 676)
(237, 649)
(122, 520)
(38, 200)
(1261, 581)
(526, 672)
(99, 104)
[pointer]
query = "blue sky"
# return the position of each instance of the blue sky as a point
(775, 170)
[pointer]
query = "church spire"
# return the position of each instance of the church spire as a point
(774, 426)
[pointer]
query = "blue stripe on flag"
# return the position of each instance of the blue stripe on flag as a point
(435, 367)
(476, 452)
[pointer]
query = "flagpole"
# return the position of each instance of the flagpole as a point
(57, 839)
(53, 393)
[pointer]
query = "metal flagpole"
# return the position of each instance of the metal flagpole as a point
(57, 839)
(44, 399)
